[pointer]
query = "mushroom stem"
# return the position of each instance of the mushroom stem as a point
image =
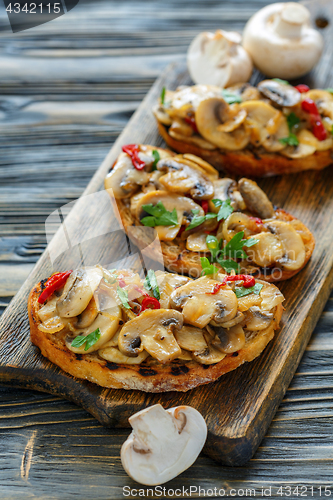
(290, 22)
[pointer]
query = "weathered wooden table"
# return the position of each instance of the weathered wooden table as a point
(67, 89)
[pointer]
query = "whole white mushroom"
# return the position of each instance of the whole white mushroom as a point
(163, 443)
(218, 59)
(281, 41)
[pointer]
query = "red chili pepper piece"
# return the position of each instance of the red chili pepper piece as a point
(302, 88)
(181, 230)
(309, 106)
(256, 220)
(246, 278)
(191, 121)
(318, 129)
(216, 288)
(54, 283)
(150, 303)
(133, 151)
(121, 283)
(204, 206)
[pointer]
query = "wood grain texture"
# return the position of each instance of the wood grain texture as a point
(244, 403)
(296, 448)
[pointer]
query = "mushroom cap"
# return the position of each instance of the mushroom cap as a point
(163, 443)
(281, 41)
(218, 59)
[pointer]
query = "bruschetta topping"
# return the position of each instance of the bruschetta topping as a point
(201, 320)
(255, 118)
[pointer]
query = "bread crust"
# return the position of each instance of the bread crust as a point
(148, 376)
(250, 163)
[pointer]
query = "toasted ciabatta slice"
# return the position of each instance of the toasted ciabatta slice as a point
(110, 329)
(252, 131)
(185, 192)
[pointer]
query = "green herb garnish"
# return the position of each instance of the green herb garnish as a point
(156, 156)
(329, 90)
(230, 97)
(292, 121)
(163, 95)
(234, 249)
(89, 340)
(283, 82)
(199, 219)
(151, 284)
(207, 267)
(242, 291)
(160, 215)
(225, 208)
(123, 295)
(291, 140)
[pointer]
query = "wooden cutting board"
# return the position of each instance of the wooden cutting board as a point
(240, 406)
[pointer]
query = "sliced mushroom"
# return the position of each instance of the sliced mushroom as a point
(235, 223)
(52, 325)
(229, 340)
(200, 305)
(195, 139)
(191, 338)
(209, 355)
(184, 179)
(167, 283)
(309, 139)
(87, 316)
(303, 149)
(113, 355)
(293, 246)
(256, 319)
(124, 178)
(209, 117)
(208, 169)
(233, 119)
(185, 356)
(161, 115)
(106, 323)
(180, 126)
(223, 190)
(78, 291)
(48, 310)
(282, 94)
(196, 242)
(163, 443)
(246, 91)
(187, 98)
(152, 331)
(262, 121)
(270, 297)
(235, 321)
(255, 199)
(267, 251)
(182, 204)
(244, 303)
